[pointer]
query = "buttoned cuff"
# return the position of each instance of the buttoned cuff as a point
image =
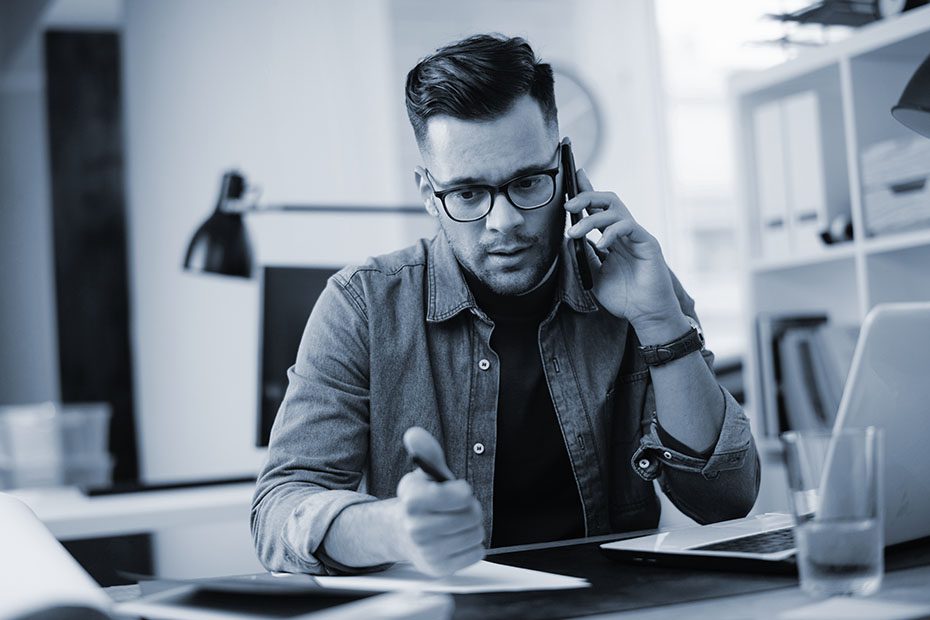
(308, 524)
(733, 443)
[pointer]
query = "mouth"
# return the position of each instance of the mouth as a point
(509, 257)
(509, 251)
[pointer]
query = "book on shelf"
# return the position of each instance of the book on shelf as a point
(804, 360)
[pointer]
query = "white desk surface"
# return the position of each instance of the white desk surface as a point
(70, 514)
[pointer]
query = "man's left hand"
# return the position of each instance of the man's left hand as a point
(633, 280)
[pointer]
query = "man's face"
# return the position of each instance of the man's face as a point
(510, 250)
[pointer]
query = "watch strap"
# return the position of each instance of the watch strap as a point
(657, 355)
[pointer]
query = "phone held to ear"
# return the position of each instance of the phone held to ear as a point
(570, 184)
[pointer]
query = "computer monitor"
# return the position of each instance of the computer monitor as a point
(288, 296)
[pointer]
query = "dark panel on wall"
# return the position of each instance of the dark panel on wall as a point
(88, 212)
(288, 296)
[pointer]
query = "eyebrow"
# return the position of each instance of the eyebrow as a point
(519, 172)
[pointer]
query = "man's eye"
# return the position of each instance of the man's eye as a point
(466, 195)
(527, 183)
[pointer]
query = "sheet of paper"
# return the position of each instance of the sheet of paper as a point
(36, 572)
(480, 577)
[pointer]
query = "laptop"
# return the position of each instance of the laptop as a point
(887, 386)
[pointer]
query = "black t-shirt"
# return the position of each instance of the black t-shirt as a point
(535, 494)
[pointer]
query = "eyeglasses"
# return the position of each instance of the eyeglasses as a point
(470, 203)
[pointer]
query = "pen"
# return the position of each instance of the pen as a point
(426, 453)
(428, 468)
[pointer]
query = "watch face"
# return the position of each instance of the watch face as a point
(698, 329)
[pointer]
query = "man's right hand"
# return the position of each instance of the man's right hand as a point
(440, 524)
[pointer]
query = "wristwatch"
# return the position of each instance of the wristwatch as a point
(659, 354)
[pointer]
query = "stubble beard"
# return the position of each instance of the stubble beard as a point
(516, 282)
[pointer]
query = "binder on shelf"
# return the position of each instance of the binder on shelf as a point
(771, 187)
(771, 328)
(803, 363)
(807, 195)
(797, 195)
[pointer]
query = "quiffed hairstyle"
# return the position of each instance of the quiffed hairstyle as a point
(478, 78)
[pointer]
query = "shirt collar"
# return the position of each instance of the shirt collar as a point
(448, 294)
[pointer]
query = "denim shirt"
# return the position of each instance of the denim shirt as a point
(399, 341)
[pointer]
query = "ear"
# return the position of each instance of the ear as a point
(426, 191)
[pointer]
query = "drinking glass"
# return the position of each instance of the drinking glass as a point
(835, 489)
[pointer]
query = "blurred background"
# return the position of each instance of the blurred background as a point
(123, 372)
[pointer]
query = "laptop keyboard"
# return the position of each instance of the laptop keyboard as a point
(772, 541)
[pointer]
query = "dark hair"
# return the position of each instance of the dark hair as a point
(478, 78)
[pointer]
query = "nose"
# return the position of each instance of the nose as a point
(504, 217)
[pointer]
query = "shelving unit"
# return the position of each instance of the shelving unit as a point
(856, 82)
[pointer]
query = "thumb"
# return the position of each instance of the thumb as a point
(419, 442)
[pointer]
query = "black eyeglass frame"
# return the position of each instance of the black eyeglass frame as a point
(494, 190)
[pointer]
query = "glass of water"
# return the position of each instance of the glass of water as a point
(835, 487)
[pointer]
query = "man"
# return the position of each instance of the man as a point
(554, 413)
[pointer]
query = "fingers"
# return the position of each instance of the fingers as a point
(446, 565)
(422, 495)
(623, 228)
(593, 202)
(464, 535)
(600, 221)
(584, 183)
(427, 527)
(442, 524)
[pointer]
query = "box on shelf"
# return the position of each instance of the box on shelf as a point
(48, 445)
(896, 183)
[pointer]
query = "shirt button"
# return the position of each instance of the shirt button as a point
(643, 463)
(478, 448)
(667, 454)
(484, 364)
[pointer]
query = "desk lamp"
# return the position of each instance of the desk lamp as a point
(221, 244)
(913, 109)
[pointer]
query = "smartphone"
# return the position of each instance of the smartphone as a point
(570, 185)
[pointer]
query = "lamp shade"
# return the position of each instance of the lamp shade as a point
(221, 244)
(913, 109)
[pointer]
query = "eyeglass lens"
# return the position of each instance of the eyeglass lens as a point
(528, 192)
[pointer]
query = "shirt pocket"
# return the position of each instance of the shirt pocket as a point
(627, 400)
(632, 502)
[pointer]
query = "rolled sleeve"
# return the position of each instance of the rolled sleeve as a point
(734, 445)
(722, 486)
(319, 441)
(293, 532)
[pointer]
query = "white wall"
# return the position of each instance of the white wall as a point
(610, 44)
(293, 93)
(28, 336)
(306, 98)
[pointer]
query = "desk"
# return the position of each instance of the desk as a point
(71, 515)
(627, 591)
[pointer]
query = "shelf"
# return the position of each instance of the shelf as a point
(892, 242)
(856, 82)
(835, 253)
(866, 40)
(70, 514)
